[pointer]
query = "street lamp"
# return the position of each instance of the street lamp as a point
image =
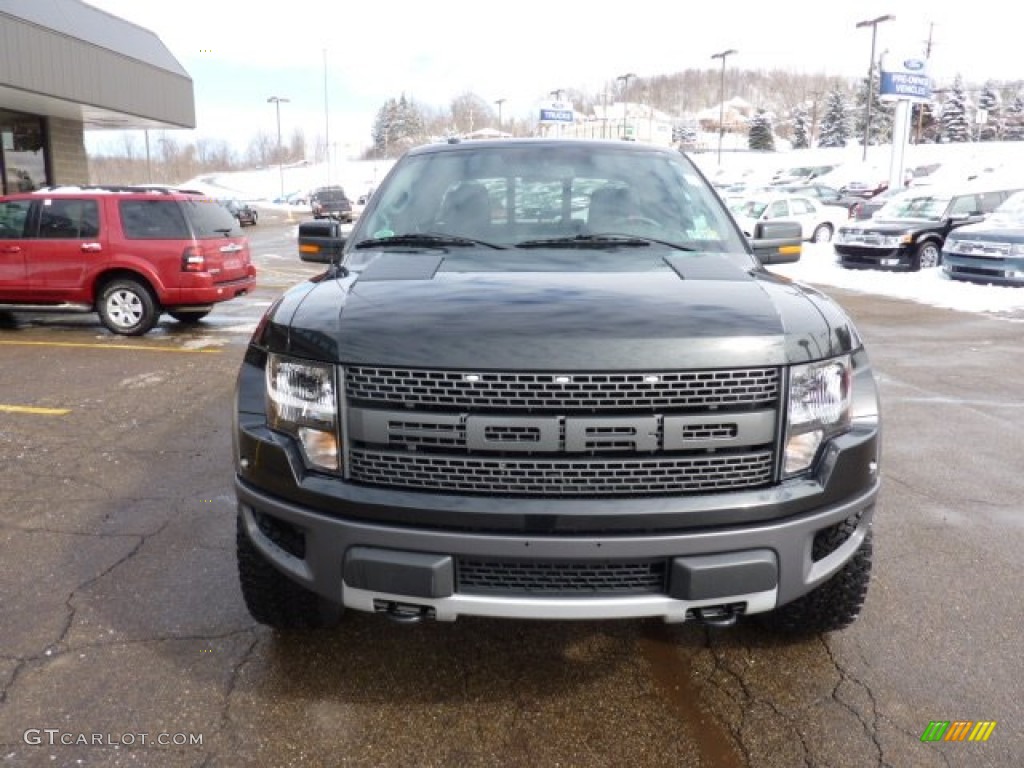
(276, 101)
(625, 94)
(499, 102)
(721, 97)
(873, 23)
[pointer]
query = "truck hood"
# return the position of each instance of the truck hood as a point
(680, 311)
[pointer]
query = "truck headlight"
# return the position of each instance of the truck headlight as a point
(302, 401)
(819, 407)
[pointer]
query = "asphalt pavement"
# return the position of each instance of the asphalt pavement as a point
(124, 639)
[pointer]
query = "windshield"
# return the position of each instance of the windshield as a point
(519, 194)
(914, 206)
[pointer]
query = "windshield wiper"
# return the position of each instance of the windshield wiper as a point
(599, 241)
(425, 240)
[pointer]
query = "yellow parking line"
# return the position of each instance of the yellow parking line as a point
(34, 411)
(136, 347)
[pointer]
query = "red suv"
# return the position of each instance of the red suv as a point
(127, 253)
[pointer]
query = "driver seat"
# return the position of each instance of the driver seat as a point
(466, 210)
(610, 208)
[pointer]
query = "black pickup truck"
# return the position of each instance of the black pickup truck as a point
(550, 379)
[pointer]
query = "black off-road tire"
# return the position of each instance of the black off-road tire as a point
(832, 606)
(188, 318)
(274, 599)
(127, 307)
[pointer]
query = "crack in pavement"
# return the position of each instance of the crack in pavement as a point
(673, 675)
(236, 672)
(750, 698)
(870, 728)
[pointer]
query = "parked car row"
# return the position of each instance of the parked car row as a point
(908, 232)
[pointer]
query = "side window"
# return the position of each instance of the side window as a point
(68, 219)
(154, 220)
(13, 216)
(963, 205)
(800, 206)
(989, 201)
(777, 210)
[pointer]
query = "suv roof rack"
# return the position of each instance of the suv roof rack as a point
(122, 188)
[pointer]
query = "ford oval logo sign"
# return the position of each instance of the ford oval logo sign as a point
(914, 65)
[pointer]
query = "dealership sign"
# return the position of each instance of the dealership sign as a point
(557, 112)
(905, 80)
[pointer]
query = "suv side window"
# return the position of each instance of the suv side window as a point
(209, 219)
(69, 219)
(989, 201)
(963, 205)
(153, 220)
(13, 215)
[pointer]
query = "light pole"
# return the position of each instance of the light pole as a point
(721, 97)
(499, 102)
(276, 101)
(625, 95)
(873, 23)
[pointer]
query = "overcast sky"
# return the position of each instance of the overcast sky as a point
(240, 53)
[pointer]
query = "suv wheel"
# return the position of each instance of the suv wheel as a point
(926, 256)
(822, 234)
(275, 600)
(188, 318)
(127, 307)
(832, 606)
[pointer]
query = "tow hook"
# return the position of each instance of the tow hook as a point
(403, 613)
(718, 615)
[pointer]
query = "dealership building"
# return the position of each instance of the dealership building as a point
(67, 67)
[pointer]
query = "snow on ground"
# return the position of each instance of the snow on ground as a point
(818, 266)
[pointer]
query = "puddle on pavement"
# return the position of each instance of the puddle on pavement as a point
(673, 676)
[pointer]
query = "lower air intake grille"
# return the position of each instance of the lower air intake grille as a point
(560, 578)
(547, 477)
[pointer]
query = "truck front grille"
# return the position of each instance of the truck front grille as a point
(534, 434)
(434, 389)
(510, 577)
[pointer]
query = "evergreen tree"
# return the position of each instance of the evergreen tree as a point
(990, 130)
(1014, 123)
(801, 129)
(835, 125)
(881, 114)
(761, 137)
(398, 126)
(955, 126)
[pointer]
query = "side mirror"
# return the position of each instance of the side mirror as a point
(777, 242)
(321, 241)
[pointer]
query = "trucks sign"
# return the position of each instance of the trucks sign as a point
(557, 112)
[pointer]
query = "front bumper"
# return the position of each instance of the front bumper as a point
(371, 566)
(1006, 271)
(863, 257)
